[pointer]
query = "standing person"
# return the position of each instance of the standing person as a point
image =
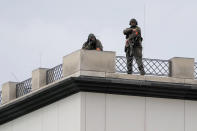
(133, 46)
(92, 43)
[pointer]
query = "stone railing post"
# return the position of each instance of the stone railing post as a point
(39, 78)
(8, 92)
(89, 60)
(182, 67)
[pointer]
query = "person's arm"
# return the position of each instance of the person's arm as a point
(127, 31)
(84, 46)
(136, 32)
(99, 46)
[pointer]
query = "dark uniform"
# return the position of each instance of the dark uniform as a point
(133, 47)
(92, 43)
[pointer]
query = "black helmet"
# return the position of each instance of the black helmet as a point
(133, 21)
(91, 36)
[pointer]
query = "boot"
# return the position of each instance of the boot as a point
(142, 72)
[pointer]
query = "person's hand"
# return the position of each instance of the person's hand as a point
(135, 31)
(98, 49)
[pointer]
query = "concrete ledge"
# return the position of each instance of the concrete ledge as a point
(96, 74)
(123, 76)
(151, 78)
(93, 73)
(89, 60)
(134, 77)
(165, 79)
(107, 75)
(191, 81)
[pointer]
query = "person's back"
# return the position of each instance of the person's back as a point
(92, 43)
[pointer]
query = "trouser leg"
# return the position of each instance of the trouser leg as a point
(138, 57)
(129, 63)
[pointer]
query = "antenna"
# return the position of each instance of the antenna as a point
(145, 22)
(40, 59)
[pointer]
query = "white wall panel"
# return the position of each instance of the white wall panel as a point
(69, 113)
(191, 116)
(34, 121)
(29, 122)
(6, 127)
(63, 115)
(83, 112)
(164, 114)
(50, 117)
(20, 124)
(125, 113)
(95, 112)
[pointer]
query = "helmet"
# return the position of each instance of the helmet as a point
(91, 36)
(133, 21)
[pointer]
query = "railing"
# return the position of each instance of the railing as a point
(54, 74)
(0, 97)
(195, 70)
(23, 88)
(151, 66)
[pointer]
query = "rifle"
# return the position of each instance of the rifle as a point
(129, 46)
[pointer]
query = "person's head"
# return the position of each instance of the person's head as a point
(91, 37)
(133, 22)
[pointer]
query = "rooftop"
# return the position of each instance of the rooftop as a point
(80, 71)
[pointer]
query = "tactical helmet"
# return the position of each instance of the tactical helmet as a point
(91, 36)
(133, 21)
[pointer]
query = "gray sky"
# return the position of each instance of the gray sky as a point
(38, 33)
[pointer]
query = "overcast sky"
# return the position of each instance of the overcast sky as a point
(38, 33)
